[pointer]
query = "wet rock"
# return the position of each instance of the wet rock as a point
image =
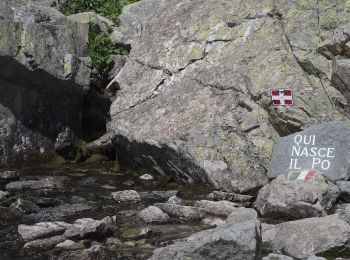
(9, 214)
(277, 257)
(43, 201)
(158, 195)
(3, 194)
(42, 230)
(213, 221)
(66, 210)
(92, 253)
(219, 208)
(129, 183)
(67, 245)
(42, 245)
(294, 199)
(146, 177)
(329, 154)
(25, 206)
(175, 200)
(153, 214)
(238, 238)
(9, 175)
(344, 187)
(311, 236)
(66, 144)
(126, 196)
(45, 183)
(183, 212)
(135, 233)
(86, 228)
(234, 197)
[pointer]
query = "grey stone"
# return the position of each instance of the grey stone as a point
(135, 233)
(87, 228)
(3, 194)
(44, 75)
(70, 245)
(42, 230)
(315, 258)
(25, 206)
(219, 208)
(234, 197)
(343, 211)
(183, 212)
(322, 147)
(126, 196)
(231, 240)
(9, 214)
(42, 245)
(277, 257)
(344, 187)
(175, 200)
(9, 175)
(45, 183)
(307, 237)
(92, 253)
(295, 199)
(213, 221)
(146, 177)
(87, 18)
(158, 195)
(153, 214)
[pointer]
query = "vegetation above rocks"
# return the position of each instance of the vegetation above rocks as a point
(101, 48)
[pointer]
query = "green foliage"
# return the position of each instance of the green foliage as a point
(101, 49)
(107, 8)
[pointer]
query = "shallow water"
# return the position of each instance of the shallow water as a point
(86, 193)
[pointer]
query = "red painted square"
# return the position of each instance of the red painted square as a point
(277, 102)
(287, 92)
(275, 92)
(288, 102)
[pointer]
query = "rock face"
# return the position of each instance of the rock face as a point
(194, 93)
(323, 147)
(44, 75)
(238, 238)
(303, 238)
(294, 199)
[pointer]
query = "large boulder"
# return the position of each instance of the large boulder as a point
(44, 75)
(292, 198)
(193, 100)
(238, 238)
(306, 237)
(323, 147)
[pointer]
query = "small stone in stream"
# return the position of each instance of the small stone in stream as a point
(128, 183)
(277, 257)
(70, 245)
(3, 194)
(344, 187)
(184, 212)
(92, 253)
(42, 229)
(219, 208)
(135, 233)
(311, 236)
(126, 196)
(175, 200)
(153, 214)
(44, 202)
(8, 215)
(294, 199)
(158, 195)
(109, 220)
(45, 183)
(67, 210)
(38, 246)
(87, 228)
(113, 241)
(234, 197)
(9, 175)
(213, 221)
(146, 177)
(25, 206)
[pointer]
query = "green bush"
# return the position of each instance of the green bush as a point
(107, 8)
(101, 49)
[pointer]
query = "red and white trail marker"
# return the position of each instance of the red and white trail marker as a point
(307, 175)
(282, 97)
